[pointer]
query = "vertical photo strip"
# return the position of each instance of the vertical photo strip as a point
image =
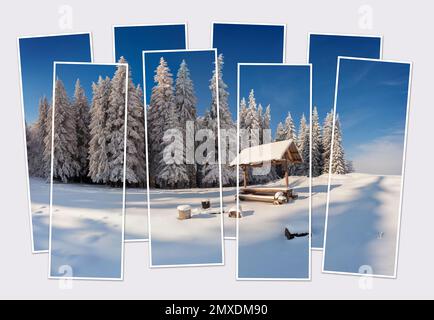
(88, 143)
(239, 43)
(128, 43)
(323, 52)
(36, 56)
(185, 210)
(364, 199)
(274, 169)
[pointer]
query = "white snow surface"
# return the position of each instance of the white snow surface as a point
(263, 250)
(87, 231)
(185, 242)
(363, 224)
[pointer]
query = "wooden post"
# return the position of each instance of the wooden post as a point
(245, 176)
(286, 175)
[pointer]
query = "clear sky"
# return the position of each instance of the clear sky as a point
(323, 53)
(69, 73)
(130, 41)
(37, 56)
(246, 43)
(286, 88)
(201, 65)
(372, 104)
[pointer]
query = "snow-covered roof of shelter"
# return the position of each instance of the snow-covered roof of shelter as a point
(279, 151)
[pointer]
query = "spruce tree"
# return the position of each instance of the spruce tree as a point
(39, 132)
(327, 140)
(82, 121)
(161, 103)
(186, 110)
(65, 165)
(304, 147)
(317, 146)
(99, 169)
(116, 125)
(338, 155)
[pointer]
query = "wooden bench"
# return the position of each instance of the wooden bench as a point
(288, 193)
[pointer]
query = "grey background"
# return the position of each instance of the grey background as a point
(407, 30)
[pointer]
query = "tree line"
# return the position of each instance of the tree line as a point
(89, 139)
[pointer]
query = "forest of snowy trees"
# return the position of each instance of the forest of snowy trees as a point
(172, 110)
(89, 136)
(89, 139)
(255, 121)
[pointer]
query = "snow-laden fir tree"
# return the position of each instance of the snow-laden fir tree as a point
(242, 112)
(173, 171)
(338, 164)
(289, 133)
(65, 165)
(260, 117)
(82, 120)
(39, 131)
(99, 169)
(280, 132)
(47, 143)
(135, 173)
(218, 86)
(327, 140)
(116, 125)
(33, 151)
(317, 146)
(209, 170)
(304, 147)
(252, 120)
(162, 101)
(186, 110)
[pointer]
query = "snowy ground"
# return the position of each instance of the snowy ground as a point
(319, 206)
(40, 206)
(182, 242)
(87, 230)
(136, 214)
(263, 250)
(362, 224)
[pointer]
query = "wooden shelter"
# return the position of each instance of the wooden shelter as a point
(276, 153)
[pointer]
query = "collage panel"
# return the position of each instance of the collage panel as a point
(88, 171)
(36, 56)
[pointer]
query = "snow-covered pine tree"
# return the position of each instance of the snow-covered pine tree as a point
(252, 121)
(65, 165)
(338, 155)
(304, 147)
(349, 166)
(173, 171)
(260, 118)
(226, 122)
(162, 101)
(99, 169)
(186, 100)
(242, 115)
(82, 120)
(280, 134)
(135, 173)
(33, 151)
(47, 144)
(290, 128)
(116, 125)
(317, 146)
(327, 140)
(38, 134)
(209, 171)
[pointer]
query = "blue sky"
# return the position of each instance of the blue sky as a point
(323, 54)
(246, 43)
(37, 56)
(87, 73)
(372, 104)
(285, 88)
(130, 41)
(201, 65)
